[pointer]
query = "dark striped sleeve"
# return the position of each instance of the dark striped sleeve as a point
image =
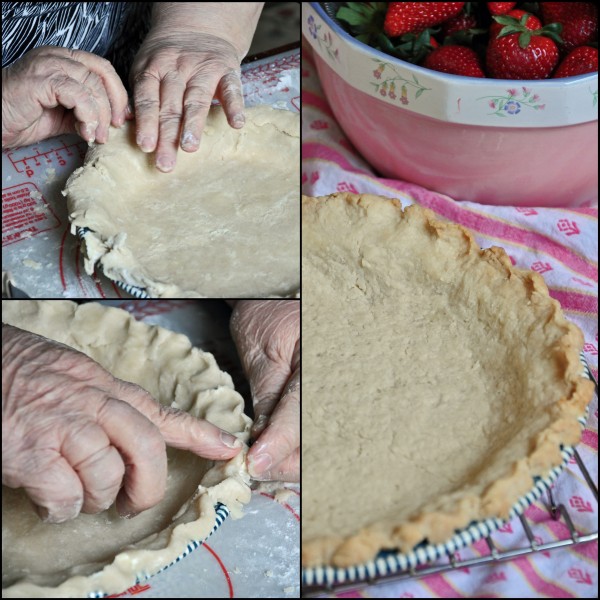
(111, 29)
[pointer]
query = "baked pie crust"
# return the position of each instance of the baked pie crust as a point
(439, 379)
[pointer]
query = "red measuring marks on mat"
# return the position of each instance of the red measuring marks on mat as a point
(267, 75)
(284, 504)
(138, 588)
(30, 159)
(25, 213)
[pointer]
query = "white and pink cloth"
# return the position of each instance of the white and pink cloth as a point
(561, 245)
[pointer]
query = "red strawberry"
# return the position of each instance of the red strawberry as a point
(461, 22)
(500, 8)
(532, 22)
(581, 60)
(579, 21)
(413, 17)
(458, 60)
(521, 51)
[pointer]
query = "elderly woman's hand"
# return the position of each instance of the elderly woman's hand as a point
(75, 438)
(267, 336)
(191, 55)
(53, 90)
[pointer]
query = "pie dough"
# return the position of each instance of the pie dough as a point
(224, 223)
(438, 379)
(105, 552)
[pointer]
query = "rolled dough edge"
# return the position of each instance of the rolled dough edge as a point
(226, 483)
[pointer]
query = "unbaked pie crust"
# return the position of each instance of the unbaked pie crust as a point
(224, 224)
(438, 379)
(104, 552)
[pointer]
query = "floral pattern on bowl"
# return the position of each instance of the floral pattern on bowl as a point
(325, 40)
(512, 102)
(394, 85)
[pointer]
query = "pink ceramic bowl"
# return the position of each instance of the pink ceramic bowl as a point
(527, 143)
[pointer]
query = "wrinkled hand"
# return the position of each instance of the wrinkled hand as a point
(191, 55)
(74, 437)
(54, 90)
(267, 335)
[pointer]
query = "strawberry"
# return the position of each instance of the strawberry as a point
(500, 8)
(581, 60)
(578, 19)
(458, 60)
(521, 50)
(365, 21)
(461, 22)
(414, 17)
(532, 22)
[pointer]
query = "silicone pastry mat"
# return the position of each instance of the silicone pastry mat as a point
(38, 251)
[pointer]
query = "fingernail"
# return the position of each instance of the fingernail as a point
(128, 111)
(53, 517)
(102, 136)
(266, 476)
(146, 143)
(239, 120)
(165, 164)
(230, 440)
(189, 140)
(258, 465)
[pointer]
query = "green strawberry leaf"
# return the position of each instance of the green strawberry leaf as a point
(509, 30)
(552, 31)
(350, 16)
(364, 19)
(463, 37)
(506, 20)
(525, 38)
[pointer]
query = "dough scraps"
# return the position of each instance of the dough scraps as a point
(438, 379)
(75, 558)
(224, 223)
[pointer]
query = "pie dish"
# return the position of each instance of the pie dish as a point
(439, 380)
(95, 555)
(225, 223)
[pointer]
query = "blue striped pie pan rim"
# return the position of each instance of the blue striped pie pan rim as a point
(134, 290)
(222, 512)
(389, 562)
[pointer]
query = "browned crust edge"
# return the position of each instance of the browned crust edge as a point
(498, 498)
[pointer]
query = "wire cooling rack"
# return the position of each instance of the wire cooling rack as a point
(557, 511)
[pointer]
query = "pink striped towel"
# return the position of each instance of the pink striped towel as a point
(561, 244)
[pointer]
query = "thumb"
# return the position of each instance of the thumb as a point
(272, 455)
(182, 430)
(269, 382)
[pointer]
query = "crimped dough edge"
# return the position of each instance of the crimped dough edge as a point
(545, 445)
